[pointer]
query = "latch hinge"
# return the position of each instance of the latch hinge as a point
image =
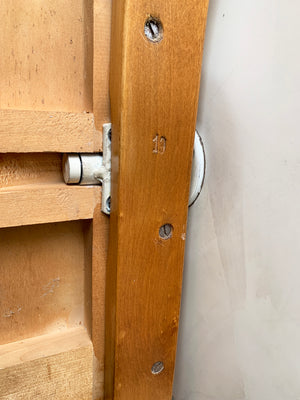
(91, 169)
(95, 169)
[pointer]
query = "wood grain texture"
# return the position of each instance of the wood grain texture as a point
(45, 277)
(101, 57)
(46, 58)
(53, 99)
(55, 366)
(100, 227)
(154, 91)
(41, 131)
(29, 168)
(95, 258)
(38, 204)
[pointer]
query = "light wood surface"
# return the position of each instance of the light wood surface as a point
(53, 99)
(101, 57)
(46, 58)
(41, 131)
(100, 226)
(55, 366)
(154, 91)
(38, 204)
(30, 168)
(45, 279)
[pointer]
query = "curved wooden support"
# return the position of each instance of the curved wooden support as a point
(155, 74)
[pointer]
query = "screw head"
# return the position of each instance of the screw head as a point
(153, 29)
(166, 231)
(157, 368)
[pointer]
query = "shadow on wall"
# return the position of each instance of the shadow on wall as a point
(239, 330)
(214, 276)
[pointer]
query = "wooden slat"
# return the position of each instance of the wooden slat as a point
(30, 168)
(42, 131)
(55, 366)
(101, 57)
(46, 58)
(154, 95)
(36, 204)
(99, 259)
(45, 279)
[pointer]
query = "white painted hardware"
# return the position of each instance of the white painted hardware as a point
(198, 169)
(105, 176)
(82, 169)
(91, 169)
(71, 168)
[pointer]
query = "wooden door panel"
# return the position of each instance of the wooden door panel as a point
(47, 285)
(53, 238)
(47, 59)
(48, 131)
(54, 75)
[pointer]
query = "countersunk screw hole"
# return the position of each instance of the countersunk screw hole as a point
(108, 204)
(157, 368)
(153, 29)
(166, 231)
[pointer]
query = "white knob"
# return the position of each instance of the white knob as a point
(71, 168)
(84, 168)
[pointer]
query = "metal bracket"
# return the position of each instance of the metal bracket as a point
(105, 176)
(92, 169)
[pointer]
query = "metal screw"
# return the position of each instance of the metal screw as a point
(153, 29)
(157, 368)
(108, 204)
(166, 231)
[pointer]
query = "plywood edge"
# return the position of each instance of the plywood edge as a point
(100, 228)
(56, 366)
(43, 346)
(37, 204)
(150, 101)
(24, 131)
(101, 60)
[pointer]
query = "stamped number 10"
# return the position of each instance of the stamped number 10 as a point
(159, 144)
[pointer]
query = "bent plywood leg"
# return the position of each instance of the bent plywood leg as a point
(154, 83)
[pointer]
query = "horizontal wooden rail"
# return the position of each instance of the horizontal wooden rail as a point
(58, 364)
(37, 204)
(45, 131)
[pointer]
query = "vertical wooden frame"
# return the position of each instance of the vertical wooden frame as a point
(53, 99)
(154, 93)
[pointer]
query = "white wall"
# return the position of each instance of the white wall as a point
(240, 324)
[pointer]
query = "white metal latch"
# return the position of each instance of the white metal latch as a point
(95, 169)
(91, 169)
